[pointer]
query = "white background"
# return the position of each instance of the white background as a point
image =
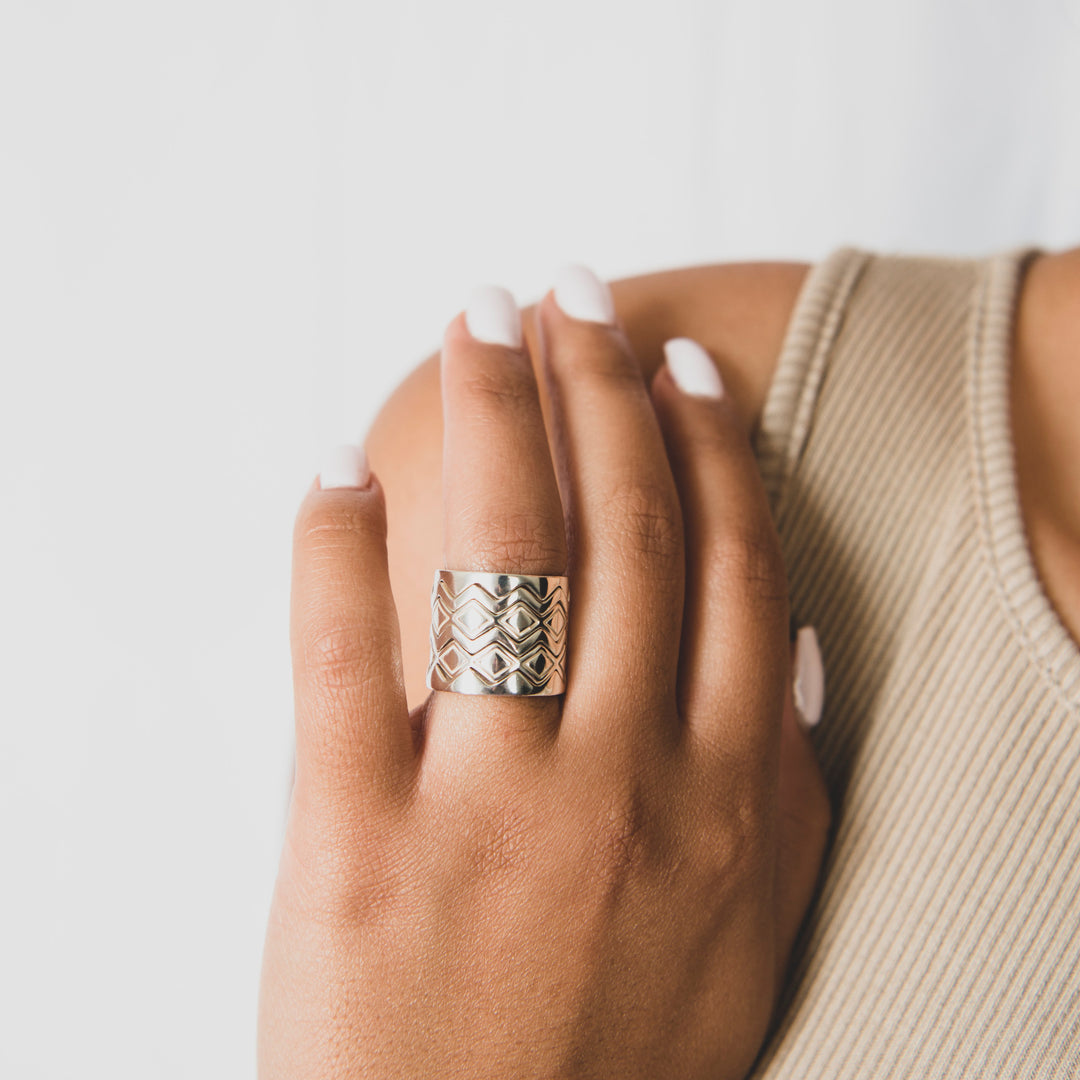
(227, 229)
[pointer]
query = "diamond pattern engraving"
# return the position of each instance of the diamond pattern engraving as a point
(498, 633)
(454, 659)
(473, 618)
(538, 663)
(495, 663)
(519, 621)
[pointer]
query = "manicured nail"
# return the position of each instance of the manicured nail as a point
(492, 317)
(582, 295)
(809, 682)
(692, 368)
(345, 466)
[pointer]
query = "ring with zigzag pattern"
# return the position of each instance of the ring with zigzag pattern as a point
(498, 633)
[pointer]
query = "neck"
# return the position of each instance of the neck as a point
(1046, 391)
(1045, 397)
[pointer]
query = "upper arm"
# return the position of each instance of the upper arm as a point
(738, 312)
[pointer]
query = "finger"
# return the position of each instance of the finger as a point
(735, 649)
(805, 813)
(500, 497)
(354, 748)
(622, 512)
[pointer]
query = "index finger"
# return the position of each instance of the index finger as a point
(354, 748)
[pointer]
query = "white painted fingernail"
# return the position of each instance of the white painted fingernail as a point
(582, 295)
(492, 317)
(692, 368)
(345, 466)
(809, 682)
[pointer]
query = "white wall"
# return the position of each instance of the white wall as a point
(227, 229)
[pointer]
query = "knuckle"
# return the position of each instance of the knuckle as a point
(646, 525)
(523, 541)
(740, 840)
(718, 442)
(733, 832)
(337, 658)
(600, 361)
(621, 839)
(332, 522)
(747, 560)
(493, 391)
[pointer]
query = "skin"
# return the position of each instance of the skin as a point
(437, 860)
(1045, 407)
(604, 884)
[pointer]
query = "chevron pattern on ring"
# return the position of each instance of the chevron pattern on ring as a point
(509, 638)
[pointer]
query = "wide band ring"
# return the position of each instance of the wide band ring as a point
(498, 633)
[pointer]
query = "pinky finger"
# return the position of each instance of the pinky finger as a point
(805, 811)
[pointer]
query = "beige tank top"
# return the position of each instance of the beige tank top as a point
(945, 941)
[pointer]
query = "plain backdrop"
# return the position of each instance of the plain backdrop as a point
(227, 229)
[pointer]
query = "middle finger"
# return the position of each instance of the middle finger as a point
(502, 516)
(622, 512)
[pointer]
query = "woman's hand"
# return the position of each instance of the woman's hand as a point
(604, 884)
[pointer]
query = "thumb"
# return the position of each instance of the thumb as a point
(805, 813)
(354, 745)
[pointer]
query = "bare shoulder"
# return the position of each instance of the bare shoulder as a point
(739, 312)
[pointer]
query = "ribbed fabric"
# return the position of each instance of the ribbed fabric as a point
(946, 938)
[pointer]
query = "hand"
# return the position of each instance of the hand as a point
(605, 884)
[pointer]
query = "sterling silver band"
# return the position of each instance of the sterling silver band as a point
(498, 633)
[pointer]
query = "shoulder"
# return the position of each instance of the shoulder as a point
(739, 312)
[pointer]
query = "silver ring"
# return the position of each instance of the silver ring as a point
(498, 633)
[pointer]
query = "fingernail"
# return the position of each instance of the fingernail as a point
(808, 689)
(582, 295)
(692, 368)
(492, 317)
(345, 466)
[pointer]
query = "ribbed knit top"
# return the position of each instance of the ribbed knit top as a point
(945, 941)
